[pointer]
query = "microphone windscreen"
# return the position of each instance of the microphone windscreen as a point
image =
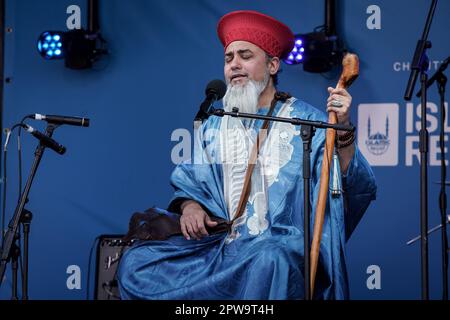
(217, 87)
(85, 122)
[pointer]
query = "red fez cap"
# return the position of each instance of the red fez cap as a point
(269, 34)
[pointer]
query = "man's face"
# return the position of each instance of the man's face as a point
(244, 61)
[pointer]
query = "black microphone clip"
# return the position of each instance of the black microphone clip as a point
(45, 140)
(438, 76)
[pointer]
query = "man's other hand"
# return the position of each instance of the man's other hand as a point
(193, 219)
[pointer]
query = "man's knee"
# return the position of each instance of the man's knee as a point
(275, 253)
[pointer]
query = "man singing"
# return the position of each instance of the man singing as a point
(262, 254)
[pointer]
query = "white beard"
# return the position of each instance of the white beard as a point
(245, 97)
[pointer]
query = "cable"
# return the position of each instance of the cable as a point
(8, 134)
(5, 152)
(4, 178)
(89, 266)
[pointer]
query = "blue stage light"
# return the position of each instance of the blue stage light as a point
(50, 45)
(316, 51)
(79, 48)
(294, 57)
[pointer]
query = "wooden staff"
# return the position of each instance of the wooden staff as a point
(350, 71)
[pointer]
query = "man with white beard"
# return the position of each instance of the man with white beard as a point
(258, 192)
(244, 96)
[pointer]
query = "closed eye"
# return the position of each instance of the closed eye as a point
(245, 54)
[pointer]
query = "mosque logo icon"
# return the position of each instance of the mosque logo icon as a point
(377, 143)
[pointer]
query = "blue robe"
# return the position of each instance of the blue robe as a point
(264, 260)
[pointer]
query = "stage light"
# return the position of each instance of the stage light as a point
(79, 48)
(49, 45)
(317, 52)
(321, 50)
(296, 55)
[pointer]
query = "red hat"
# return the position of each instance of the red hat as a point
(269, 34)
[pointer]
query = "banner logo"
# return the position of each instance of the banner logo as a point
(378, 133)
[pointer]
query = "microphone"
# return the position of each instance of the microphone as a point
(73, 121)
(46, 140)
(215, 90)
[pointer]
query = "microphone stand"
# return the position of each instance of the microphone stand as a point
(441, 80)
(307, 131)
(10, 250)
(420, 65)
(439, 226)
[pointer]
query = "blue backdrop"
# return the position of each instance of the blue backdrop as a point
(162, 54)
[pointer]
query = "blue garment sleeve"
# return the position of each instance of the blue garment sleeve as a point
(359, 189)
